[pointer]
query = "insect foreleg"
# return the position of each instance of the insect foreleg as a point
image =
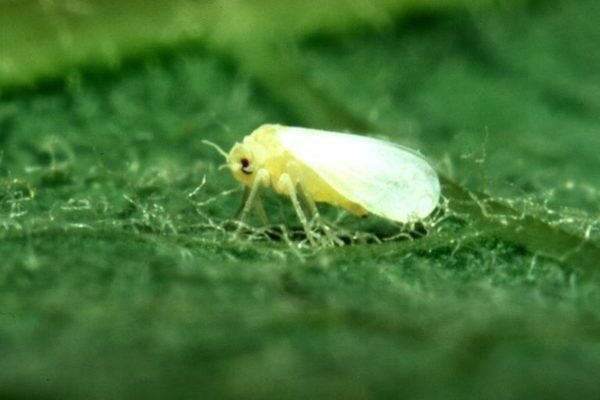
(261, 211)
(238, 213)
(262, 176)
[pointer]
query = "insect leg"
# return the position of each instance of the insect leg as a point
(258, 204)
(286, 181)
(306, 200)
(262, 175)
(315, 218)
(261, 211)
(243, 203)
(309, 202)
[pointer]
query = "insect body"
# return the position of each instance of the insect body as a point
(360, 174)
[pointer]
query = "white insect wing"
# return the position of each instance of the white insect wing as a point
(386, 179)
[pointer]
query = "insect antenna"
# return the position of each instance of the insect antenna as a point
(216, 147)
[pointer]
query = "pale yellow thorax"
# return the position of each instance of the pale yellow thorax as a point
(264, 150)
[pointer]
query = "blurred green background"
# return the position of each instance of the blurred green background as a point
(120, 276)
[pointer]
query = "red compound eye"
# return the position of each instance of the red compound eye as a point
(246, 166)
